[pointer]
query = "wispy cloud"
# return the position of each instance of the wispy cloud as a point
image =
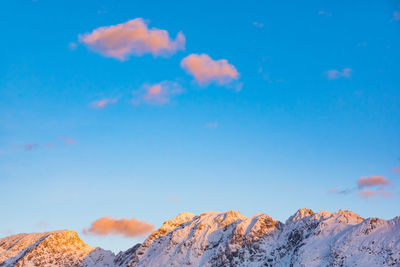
(366, 193)
(396, 170)
(132, 38)
(324, 13)
(336, 74)
(206, 70)
(258, 24)
(396, 16)
(367, 187)
(125, 227)
(212, 125)
(68, 140)
(103, 103)
(157, 94)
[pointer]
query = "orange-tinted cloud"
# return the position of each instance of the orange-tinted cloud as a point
(126, 227)
(336, 74)
(366, 193)
(206, 70)
(103, 103)
(132, 38)
(157, 94)
(373, 181)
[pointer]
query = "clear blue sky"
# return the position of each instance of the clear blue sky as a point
(299, 126)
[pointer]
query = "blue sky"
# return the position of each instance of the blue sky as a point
(290, 127)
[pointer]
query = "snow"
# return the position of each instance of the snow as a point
(341, 238)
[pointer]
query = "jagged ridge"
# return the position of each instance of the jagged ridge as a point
(342, 238)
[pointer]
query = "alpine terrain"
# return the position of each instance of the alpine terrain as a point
(307, 239)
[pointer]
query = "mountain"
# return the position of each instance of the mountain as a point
(342, 238)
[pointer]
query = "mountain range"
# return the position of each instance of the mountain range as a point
(342, 238)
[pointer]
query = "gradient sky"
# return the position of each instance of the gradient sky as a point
(315, 106)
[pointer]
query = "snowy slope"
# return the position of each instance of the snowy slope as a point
(58, 248)
(342, 238)
(307, 239)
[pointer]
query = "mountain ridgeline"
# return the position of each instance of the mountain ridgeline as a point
(307, 239)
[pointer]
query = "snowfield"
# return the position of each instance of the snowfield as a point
(307, 239)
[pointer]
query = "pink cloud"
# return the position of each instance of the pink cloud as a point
(206, 70)
(366, 193)
(373, 181)
(157, 94)
(335, 74)
(68, 140)
(103, 103)
(333, 190)
(30, 146)
(396, 170)
(126, 227)
(132, 38)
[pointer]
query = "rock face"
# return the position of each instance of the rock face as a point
(226, 239)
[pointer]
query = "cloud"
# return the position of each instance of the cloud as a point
(373, 181)
(377, 183)
(68, 140)
(103, 103)
(324, 13)
(132, 38)
(30, 146)
(258, 24)
(126, 227)
(72, 46)
(396, 15)
(341, 192)
(157, 94)
(212, 125)
(206, 70)
(335, 74)
(396, 170)
(366, 193)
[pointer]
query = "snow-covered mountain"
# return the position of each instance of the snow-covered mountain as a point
(226, 239)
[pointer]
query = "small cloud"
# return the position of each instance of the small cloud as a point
(157, 94)
(68, 140)
(72, 45)
(30, 146)
(324, 13)
(340, 192)
(132, 38)
(366, 193)
(103, 103)
(395, 170)
(206, 70)
(212, 125)
(258, 24)
(373, 181)
(125, 227)
(50, 145)
(396, 15)
(335, 74)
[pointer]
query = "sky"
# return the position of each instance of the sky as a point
(118, 115)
